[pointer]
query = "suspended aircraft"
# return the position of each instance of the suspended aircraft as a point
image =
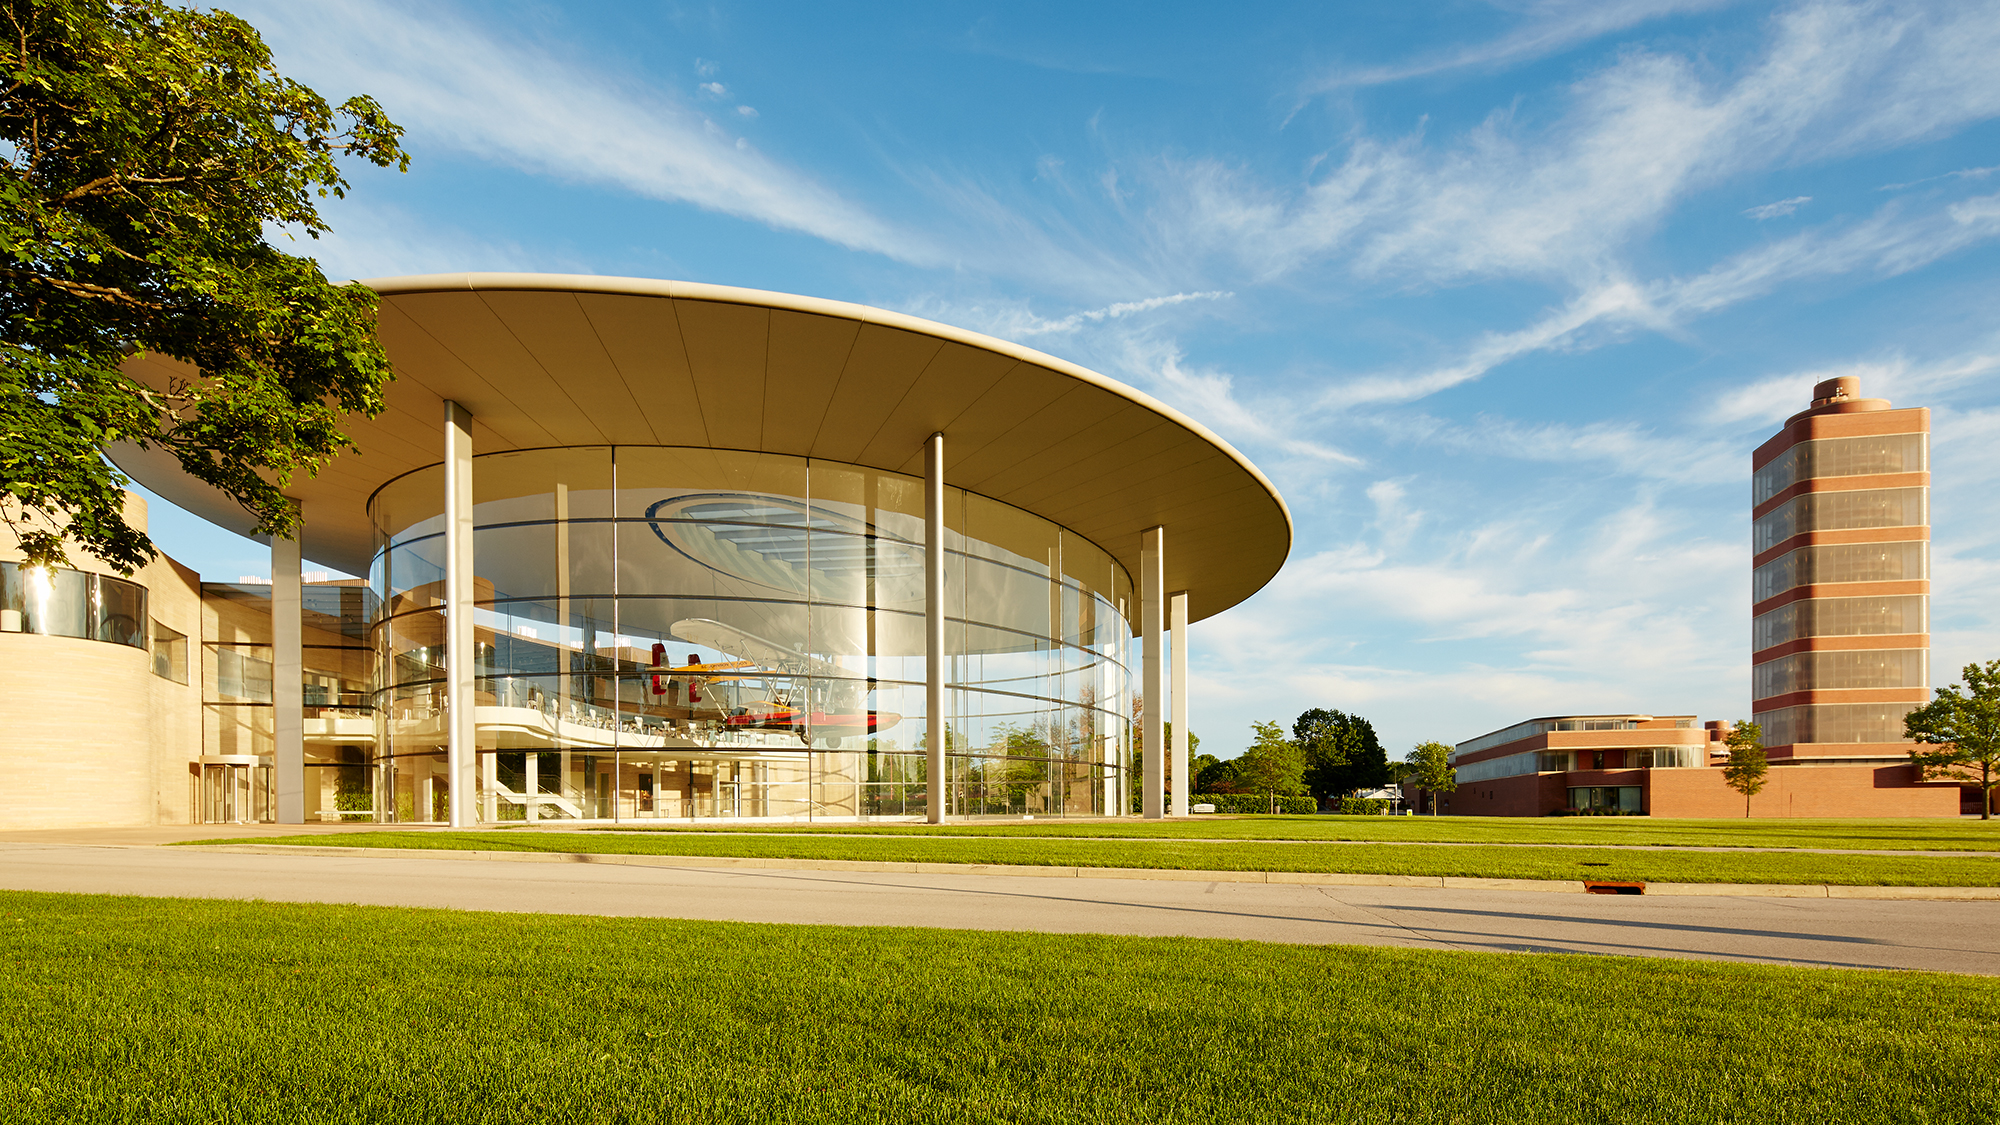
(831, 712)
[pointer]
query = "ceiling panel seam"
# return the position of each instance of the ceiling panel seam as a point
(598, 334)
(853, 342)
(937, 350)
(476, 373)
(561, 388)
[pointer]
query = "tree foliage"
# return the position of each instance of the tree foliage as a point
(1747, 769)
(1272, 765)
(1431, 769)
(147, 149)
(1342, 753)
(1964, 725)
(1208, 771)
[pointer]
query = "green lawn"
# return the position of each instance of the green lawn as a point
(168, 1011)
(1250, 855)
(1892, 835)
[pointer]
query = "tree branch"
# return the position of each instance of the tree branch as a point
(85, 289)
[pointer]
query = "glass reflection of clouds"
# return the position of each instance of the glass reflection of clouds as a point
(674, 633)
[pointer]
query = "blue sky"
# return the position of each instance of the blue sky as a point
(1502, 295)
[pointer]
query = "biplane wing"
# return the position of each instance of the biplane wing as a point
(772, 655)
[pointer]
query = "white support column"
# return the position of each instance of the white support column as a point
(288, 675)
(934, 654)
(533, 785)
(1177, 613)
(1152, 626)
(461, 754)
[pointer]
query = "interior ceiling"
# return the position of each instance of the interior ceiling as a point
(555, 360)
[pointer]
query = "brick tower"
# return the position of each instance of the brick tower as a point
(1840, 632)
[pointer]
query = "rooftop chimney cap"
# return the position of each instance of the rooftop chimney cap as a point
(1836, 390)
(1840, 395)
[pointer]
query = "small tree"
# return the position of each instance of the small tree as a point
(1431, 769)
(1273, 764)
(1966, 728)
(1747, 769)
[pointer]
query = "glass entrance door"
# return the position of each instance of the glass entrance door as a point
(225, 791)
(235, 789)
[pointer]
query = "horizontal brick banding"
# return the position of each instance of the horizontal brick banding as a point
(1855, 642)
(1863, 483)
(1816, 427)
(1897, 588)
(1918, 533)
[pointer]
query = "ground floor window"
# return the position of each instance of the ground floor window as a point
(1622, 798)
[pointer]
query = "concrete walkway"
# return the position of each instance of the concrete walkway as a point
(1854, 933)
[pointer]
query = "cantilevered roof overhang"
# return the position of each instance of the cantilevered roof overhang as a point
(564, 360)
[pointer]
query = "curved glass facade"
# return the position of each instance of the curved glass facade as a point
(688, 632)
(72, 603)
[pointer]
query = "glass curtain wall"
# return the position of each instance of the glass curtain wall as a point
(337, 686)
(690, 633)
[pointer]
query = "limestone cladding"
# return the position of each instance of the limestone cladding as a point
(93, 736)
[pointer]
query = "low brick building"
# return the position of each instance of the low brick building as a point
(1665, 765)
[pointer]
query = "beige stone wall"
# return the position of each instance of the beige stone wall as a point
(93, 737)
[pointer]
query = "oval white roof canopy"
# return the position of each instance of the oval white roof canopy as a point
(565, 360)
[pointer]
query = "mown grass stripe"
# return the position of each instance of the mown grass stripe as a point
(1379, 859)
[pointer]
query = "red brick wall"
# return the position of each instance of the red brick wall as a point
(1803, 791)
(1527, 795)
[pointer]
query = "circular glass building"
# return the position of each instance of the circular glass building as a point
(639, 550)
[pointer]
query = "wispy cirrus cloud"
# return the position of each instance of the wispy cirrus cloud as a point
(1960, 174)
(1887, 244)
(1560, 189)
(1779, 209)
(461, 84)
(1014, 321)
(1773, 398)
(1547, 27)
(1209, 395)
(1667, 452)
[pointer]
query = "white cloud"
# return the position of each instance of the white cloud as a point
(1779, 209)
(1961, 174)
(371, 240)
(1616, 301)
(715, 89)
(1209, 396)
(1771, 400)
(1559, 190)
(1887, 244)
(1672, 451)
(1545, 609)
(1551, 26)
(1123, 341)
(746, 111)
(1022, 324)
(454, 82)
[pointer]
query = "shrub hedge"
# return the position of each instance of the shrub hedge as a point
(1253, 803)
